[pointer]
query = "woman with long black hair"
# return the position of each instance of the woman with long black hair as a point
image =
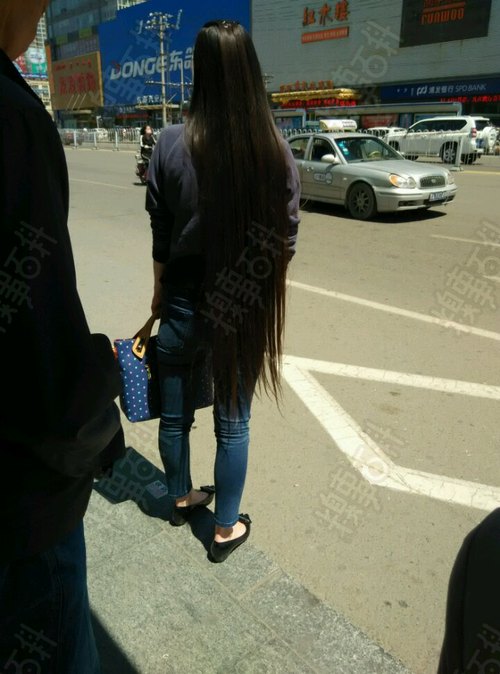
(223, 199)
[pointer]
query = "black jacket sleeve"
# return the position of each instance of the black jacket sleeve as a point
(472, 634)
(59, 382)
(162, 219)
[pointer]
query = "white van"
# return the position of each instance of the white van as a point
(337, 125)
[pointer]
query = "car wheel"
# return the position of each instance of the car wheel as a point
(449, 153)
(411, 157)
(361, 202)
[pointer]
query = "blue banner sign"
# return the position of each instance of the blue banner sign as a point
(437, 90)
(130, 53)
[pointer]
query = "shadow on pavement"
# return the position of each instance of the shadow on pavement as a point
(134, 478)
(113, 660)
(399, 217)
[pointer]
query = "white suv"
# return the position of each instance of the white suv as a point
(439, 137)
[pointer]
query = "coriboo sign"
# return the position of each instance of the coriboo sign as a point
(429, 21)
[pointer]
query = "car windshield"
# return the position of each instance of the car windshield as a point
(359, 149)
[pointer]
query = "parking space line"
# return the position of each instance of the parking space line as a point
(425, 318)
(456, 238)
(400, 378)
(363, 452)
(488, 173)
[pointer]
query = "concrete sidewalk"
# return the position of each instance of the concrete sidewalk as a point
(161, 607)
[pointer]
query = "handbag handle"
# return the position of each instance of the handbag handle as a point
(141, 338)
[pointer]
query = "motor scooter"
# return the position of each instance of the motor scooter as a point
(141, 168)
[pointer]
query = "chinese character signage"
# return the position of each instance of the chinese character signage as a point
(131, 64)
(429, 21)
(77, 82)
(328, 21)
(436, 90)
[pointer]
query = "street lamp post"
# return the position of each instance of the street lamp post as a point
(161, 24)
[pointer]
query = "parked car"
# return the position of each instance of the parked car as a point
(439, 137)
(101, 133)
(68, 137)
(366, 175)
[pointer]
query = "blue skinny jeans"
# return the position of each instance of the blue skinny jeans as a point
(180, 344)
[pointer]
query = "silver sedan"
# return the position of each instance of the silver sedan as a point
(366, 175)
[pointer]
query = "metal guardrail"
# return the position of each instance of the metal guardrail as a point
(286, 133)
(449, 146)
(115, 139)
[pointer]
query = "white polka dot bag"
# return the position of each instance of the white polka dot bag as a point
(140, 392)
(140, 398)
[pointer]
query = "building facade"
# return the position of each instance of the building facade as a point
(73, 42)
(131, 62)
(393, 53)
(106, 64)
(73, 24)
(33, 65)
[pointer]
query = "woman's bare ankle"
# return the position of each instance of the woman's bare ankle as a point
(223, 534)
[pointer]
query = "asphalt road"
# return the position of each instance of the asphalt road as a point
(385, 452)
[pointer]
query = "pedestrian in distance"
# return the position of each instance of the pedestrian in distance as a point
(59, 425)
(489, 135)
(147, 143)
(223, 197)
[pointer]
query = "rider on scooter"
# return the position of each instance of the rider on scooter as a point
(148, 142)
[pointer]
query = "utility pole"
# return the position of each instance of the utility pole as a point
(161, 24)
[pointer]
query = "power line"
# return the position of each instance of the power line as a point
(161, 23)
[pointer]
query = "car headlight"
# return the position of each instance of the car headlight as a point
(400, 181)
(450, 180)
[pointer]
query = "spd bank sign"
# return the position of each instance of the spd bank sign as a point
(130, 54)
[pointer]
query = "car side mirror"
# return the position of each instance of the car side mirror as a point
(330, 159)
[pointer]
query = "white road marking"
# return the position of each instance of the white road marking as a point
(457, 238)
(489, 173)
(398, 311)
(399, 378)
(363, 452)
(95, 182)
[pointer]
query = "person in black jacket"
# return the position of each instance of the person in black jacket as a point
(59, 425)
(472, 636)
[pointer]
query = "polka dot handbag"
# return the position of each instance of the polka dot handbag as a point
(140, 393)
